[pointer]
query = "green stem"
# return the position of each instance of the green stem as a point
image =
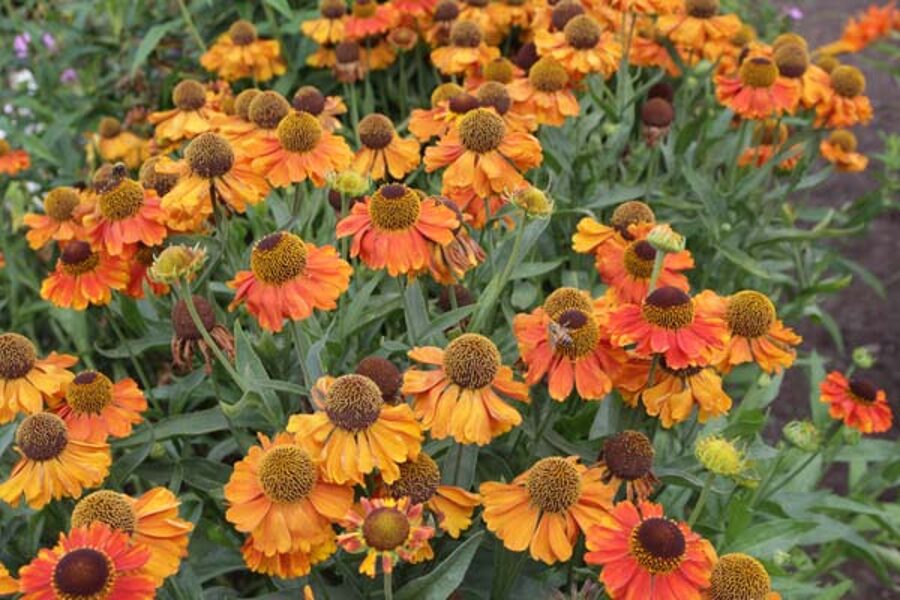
(350, 92)
(403, 83)
(184, 290)
(388, 586)
(482, 316)
(701, 501)
(835, 428)
(657, 268)
(186, 15)
(301, 344)
(145, 381)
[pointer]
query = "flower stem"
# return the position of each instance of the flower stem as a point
(657, 269)
(482, 316)
(388, 586)
(701, 501)
(184, 290)
(186, 15)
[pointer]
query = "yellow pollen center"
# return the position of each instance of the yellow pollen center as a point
(848, 81)
(750, 314)
(574, 333)
(242, 33)
(242, 103)
(582, 32)
(386, 529)
(827, 62)
(89, 393)
(567, 298)
(471, 361)
(189, 95)
(739, 577)
(123, 201)
(209, 155)
(758, 72)
(499, 70)
(789, 38)
(17, 356)
(278, 258)
(60, 202)
(639, 259)
(394, 207)
(376, 131)
(669, 308)
(554, 484)
(42, 436)
(78, 259)
(364, 9)
(299, 132)
(702, 9)
(444, 92)
(105, 506)
(419, 479)
(628, 455)
(792, 60)
(465, 34)
(843, 139)
(631, 213)
(267, 109)
(658, 545)
(83, 574)
(481, 130)
(287, 474)
(109, 127)
(548, 75)
(353, 402)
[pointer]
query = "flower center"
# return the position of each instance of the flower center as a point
(863, 390)
(465, 34)
(242, 32)
(287, 474)
(702, 9)
(471, 361)
(843, 139)
(151, 179)
(77, 258)
(384, 373)
(553, 484)
(299, 132)
(827, 62)
(109, 127)
(628, 455)
(848, 81)
(669, 308)
(739, 577)
(789, 38)
(575, 333)
(481, 130)
(90, 392)
(83, 574)
(548, 75)
(309, 99)
(394, 207)
(564, 12)
(209, 155)
(60, 202)
(419, 479)
(123, 201)
(744, 36)
(353, 402)
(462, 103)
(278, 257)
(385, 529)
(333, 9)
(267, 109)
(582, 32)
(189, 95)
(658, 545)
(445, 92)
(17, 356)
(639, 259)
(526, 56)
(242, 103)
(657, 112)
(792, 60)
(105, 506)
(42, 436)
(346, 52)
(750, 314)
(446, 10)
(376, 131)
(567, 298)
(758, 72)
(364, 9)
(183, 324)
(494, 94)
(499, 70)
(631, 213)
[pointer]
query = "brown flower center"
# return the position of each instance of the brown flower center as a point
(77, 258)
(353, 402)
(548, 75)
(242, 103)
(376, 131)
(183, 324)
(42, 436)
(347, 52)
(575, 333)
(123, 201)
(189, 95)
(639, 259)
(750, 314)
(827, 62)
(481, 130)
(465, 34)
(109, 127)
(494, 94)
(445, 92)
(567, 298)
(462, 103)
(105, 506)
(419, 479)
(582, 32)
(267, 109)
(500, 70)
(385, 529)
(863, 390)
(848, 81)
(394, 207)
(60, 202)
(792, 60)
(364, 9)
(384, 373)
(242, 33)
(89, 393)
(631, 213)
(151, 179)
(791, 38)
(209, 155)
(564, 12)
(657, 112)
(17, 356)
(299, 132)
(553, 484)
(287, 474)
(739, 577)
(333, 9)
(669, 308)
(446, 10)
(702, 9)
(278, 258)
(658, 545)
(758, 72)
(628, 455)
(471, 361)
(309, 99)
(83, 574)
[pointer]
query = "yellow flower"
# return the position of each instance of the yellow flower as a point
(720, 456)
(177, 262)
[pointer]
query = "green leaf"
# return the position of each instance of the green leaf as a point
(445, 578)
(281, 6)
(151, 39)
(416, 312)
(251, 367)
(190, 424)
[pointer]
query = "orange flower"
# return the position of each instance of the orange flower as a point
(630, 220)
(287, 565)
(738, 573)
(866, 27)
(792, 61)
(566, 341)
(460, 398)
(546, 507)
(84, 277)
(450, 263)
(466, 52)
(243, 124)
(329, 29)
(700, 32)
(279, 494)
(627, 457)
(367, 18)
(839, 148)
(288, 278)
(89, 562)
(756, 333)
(857, 402)
(627, 266)
(151, 521)
(8, 584)
(545, 93)
(420, 481)
(648, 49)
(210, 173)
(309, 99)
(582, 47)
(117, 144)
(673, 393)
(239, 53)
(847, 106)
(126, 214)
(670, 323)
(384, 154)
(301, 149)
(769, 137)
(449, 102)
(95, 408)
(414, 7)
(355, 432)
(395, 228)
(61, 221)
(389, 530)
(494, 94)
(26, 380)
(481, 154)
(54, 463)
(645, 555)
(139, 273)
(758, 92)
(12, 161)
(190, 117)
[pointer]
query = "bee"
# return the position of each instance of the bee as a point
(559, 335)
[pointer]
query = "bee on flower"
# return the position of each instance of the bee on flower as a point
(239, 53)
